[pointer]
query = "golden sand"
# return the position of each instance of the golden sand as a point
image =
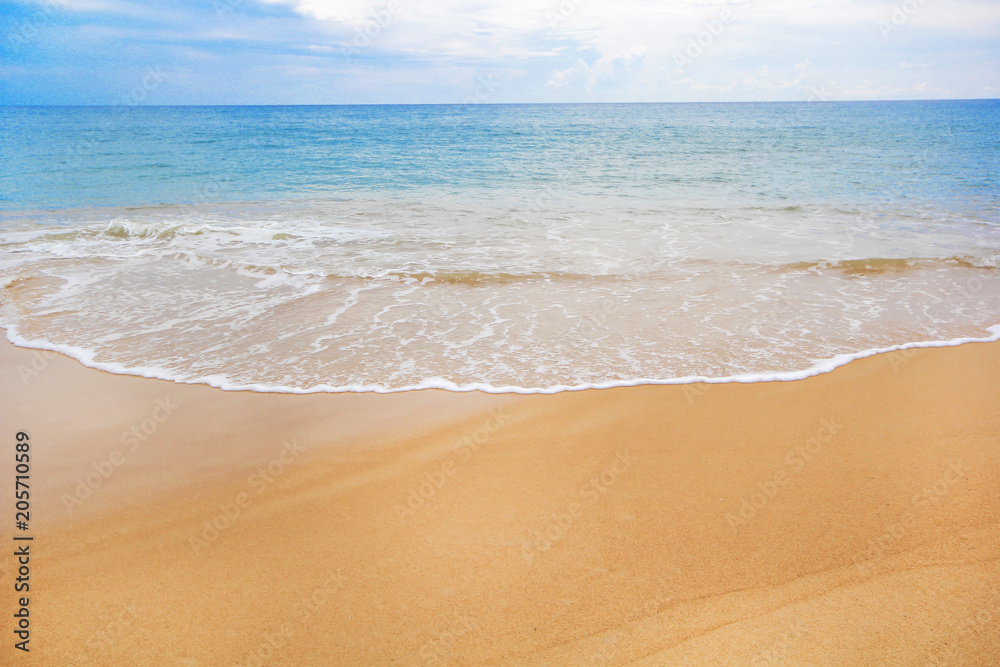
(852, 518)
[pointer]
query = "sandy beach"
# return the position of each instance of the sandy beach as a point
(851, 518)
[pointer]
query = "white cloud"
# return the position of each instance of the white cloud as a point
(342, 11)
(870, 91)
(492, 29)
(614, 72)
(573, 50)
(580, 72)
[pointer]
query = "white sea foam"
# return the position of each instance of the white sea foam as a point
(381, 296)
(819, 367)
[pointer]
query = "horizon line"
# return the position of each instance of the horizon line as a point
(499, 104)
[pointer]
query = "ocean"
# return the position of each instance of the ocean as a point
(527, 248)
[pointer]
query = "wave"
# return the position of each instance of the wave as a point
(390, 300)
(664, 272)
(477, 278)
(130, 229)
(871, 266)
(644, 269)
(819, 367)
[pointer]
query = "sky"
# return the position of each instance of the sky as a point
(111, 52)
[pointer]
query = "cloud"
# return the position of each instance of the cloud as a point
(561, 50)
(617, 71)
(341, 11)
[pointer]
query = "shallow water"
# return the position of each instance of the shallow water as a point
(516, 247)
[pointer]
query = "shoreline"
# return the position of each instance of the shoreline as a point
(847, 518)
(819, 367)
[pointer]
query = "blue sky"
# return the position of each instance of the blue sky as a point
(447, 51)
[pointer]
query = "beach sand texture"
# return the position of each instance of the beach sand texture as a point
(851, 518)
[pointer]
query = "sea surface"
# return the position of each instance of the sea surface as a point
(497, 247)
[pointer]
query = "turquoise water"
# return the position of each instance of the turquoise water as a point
(805, 153)
(517, 246)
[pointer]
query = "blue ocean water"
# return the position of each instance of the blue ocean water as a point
(526, 247)
(810, 152)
